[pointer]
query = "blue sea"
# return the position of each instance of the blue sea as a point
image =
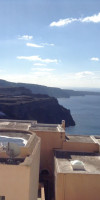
(85, 111)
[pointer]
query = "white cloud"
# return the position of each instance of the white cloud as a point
(47, 44)
(34, 45)
(49, 60)
(25, 37)
(30, 37)
(95, 59)
(84, 74)
(30, 58)
(37, 58)
(39, 64)
(39, 45)
(63, 22)
(94, 18)
(43, 69)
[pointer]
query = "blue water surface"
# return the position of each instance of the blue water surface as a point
(85, 111)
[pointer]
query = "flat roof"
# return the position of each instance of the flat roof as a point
(29, 125)
(14, 125)
(79, 138)
(63, 160)
(41, 128)
(47, 127)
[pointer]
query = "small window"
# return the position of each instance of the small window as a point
(2, 197)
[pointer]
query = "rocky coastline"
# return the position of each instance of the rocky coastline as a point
(21, 104)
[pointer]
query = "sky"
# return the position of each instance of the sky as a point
(50, 42)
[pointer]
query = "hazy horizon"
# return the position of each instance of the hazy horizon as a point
(69, 88)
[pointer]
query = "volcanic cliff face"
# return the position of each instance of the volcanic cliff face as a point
(38, 107)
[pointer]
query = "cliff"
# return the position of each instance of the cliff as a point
(12, 91)
(51, 91)
(38, 107)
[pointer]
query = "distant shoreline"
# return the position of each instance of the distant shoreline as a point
(50, 91)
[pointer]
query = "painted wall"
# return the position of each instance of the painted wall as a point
(20, 182)
(49, 141)
(77, 186)
(12, 180)
(80, 147)
(34, 172)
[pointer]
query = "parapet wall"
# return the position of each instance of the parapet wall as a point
(21, 181)
(80, 147)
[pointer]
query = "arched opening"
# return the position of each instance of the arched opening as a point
(44, 172)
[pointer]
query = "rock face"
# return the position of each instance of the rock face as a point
(51, 91)
(38, 107)
(12, 91)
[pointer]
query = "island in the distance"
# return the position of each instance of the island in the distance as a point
(19, 103)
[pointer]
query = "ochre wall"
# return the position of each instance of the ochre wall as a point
(49, 141)
(20, 182)
(14, 182)
(80, 147)
(77, 186)
(54, 140)
(34, 172)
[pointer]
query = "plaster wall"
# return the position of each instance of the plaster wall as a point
(76, 186)
(34, 172)
(20, 182)
(14, 182)
(49, 141)
(80, 147)
(32, 142)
